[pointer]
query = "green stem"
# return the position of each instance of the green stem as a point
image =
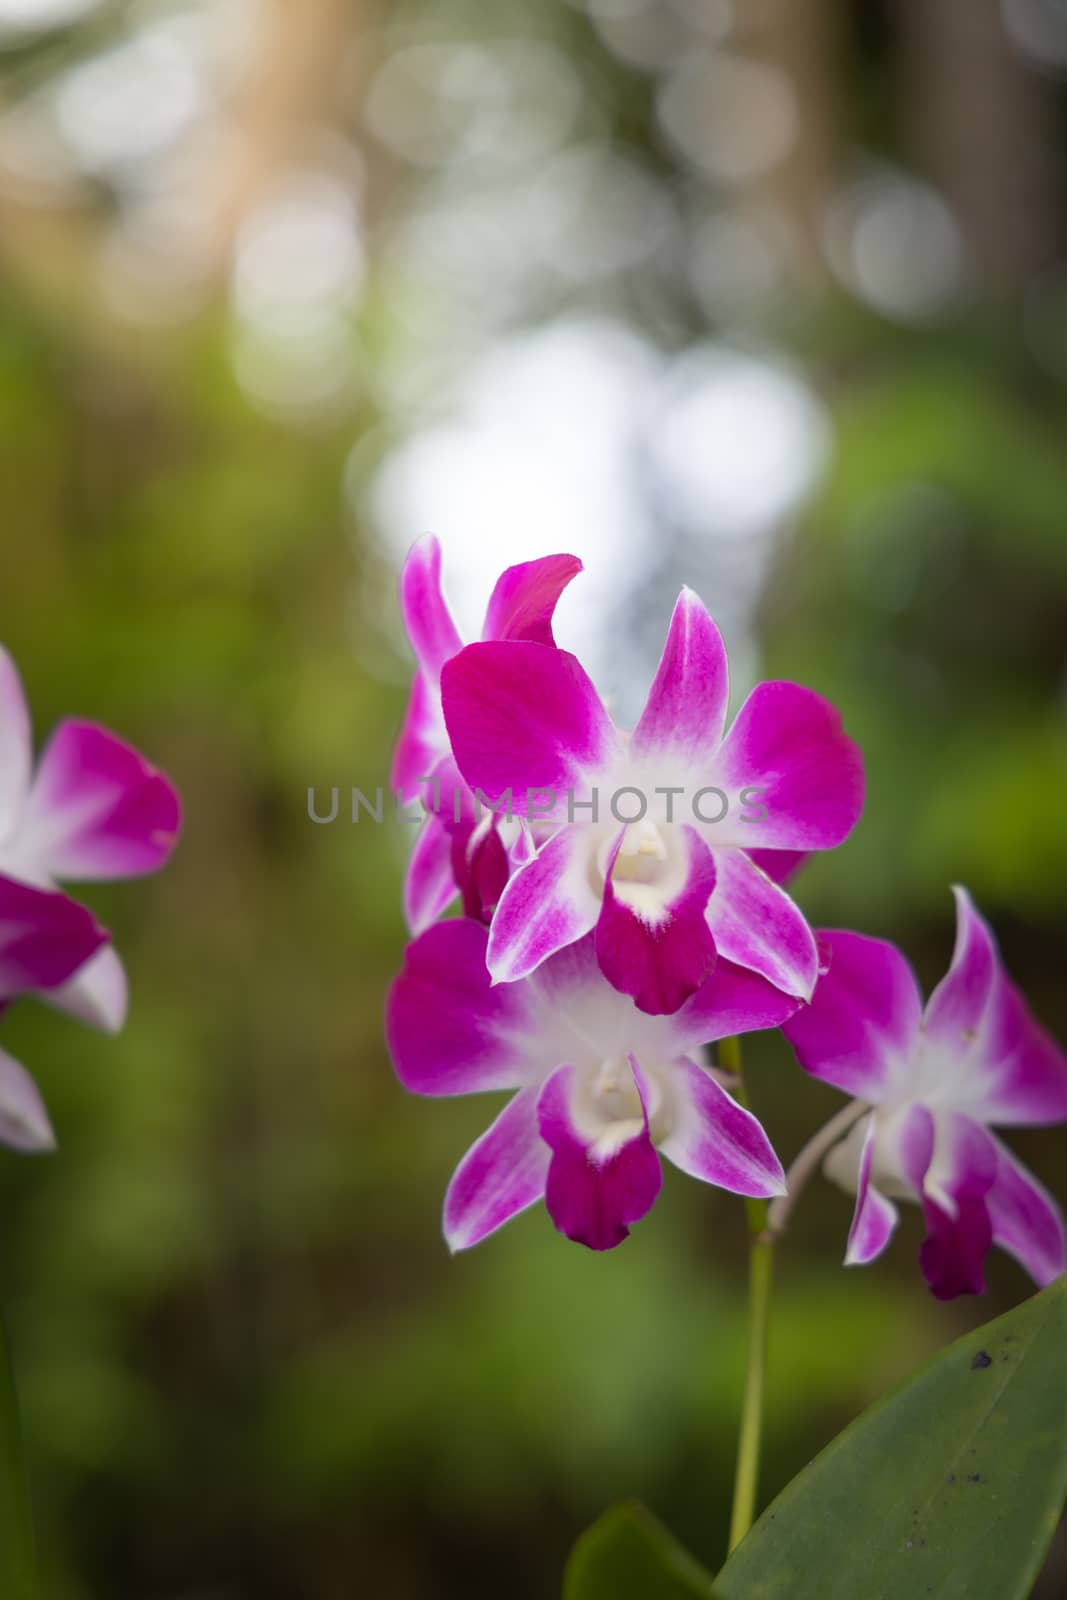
(760, 1277)
(17, 1558)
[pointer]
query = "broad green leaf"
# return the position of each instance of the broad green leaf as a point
(628, 1555)
(951, 1487)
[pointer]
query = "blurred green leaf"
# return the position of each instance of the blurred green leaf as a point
(629, 1553)
(952, 1486)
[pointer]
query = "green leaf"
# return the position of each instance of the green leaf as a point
(951, 1487)
(628, 1555)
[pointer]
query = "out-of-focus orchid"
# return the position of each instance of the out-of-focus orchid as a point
(670, 890)
(937, 1080)
(600, 1086)
(92, 809)
(458, 850)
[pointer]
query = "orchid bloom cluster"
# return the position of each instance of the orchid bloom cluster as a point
(92, 809)
(624, 907)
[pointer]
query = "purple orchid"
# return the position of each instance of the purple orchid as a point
(92, 809)
(600, 1086)
(675, 887)
(937, 1080)
(457, 850)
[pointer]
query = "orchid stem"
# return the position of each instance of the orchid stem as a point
(808, 1162)
(17, 1558)
(760, 1277)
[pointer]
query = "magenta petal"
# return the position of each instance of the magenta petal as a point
(24, 1123)
(422, 742)
(756, 925)
(781, 866)
(427, 619)
(16, 745)
(44, 938)
(449, 1030)
(1026, 1220)
(685, 712)
(960, 1004)
(730, 1000)
(97, 994)
(875, 1217)
(716, 1140)
(1016, 1073)
(525, 597)
(863, 1019)
(660, 961)
(549, 903)
(98, 809)
(959, 1231)
(789, 743)
(593, 1196)
(429, 886)
(481, 867)
(501, 1174)
(524, 717)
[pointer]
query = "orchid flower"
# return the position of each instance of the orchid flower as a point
(937, 1080)
(600, 1086)
(92, 809)
(675, 887)
(457, 849)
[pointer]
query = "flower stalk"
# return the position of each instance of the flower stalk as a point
(760, 1279)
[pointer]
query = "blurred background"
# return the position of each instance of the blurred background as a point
(766, 297)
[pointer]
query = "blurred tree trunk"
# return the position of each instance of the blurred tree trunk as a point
(298, 53)
(799, 39)
(985, 132)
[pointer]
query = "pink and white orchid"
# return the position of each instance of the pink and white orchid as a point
(676, 887)
(937, 1080)
(92, 809)
(458, 851)
(600, 1087)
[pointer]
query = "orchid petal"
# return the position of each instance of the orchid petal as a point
(864, 1017)
(24, 1122)
(788, 744)
(875, 1217)
(685, 711)
(481, 867)
(422, 742)
(97, 994)
(449, 1030)
(715, 1139)
(429, 886)
(730, 1000)
(1013, 1072)
(427, 619)
(522, 717)
(1026, 1220)
(781, 866)
(547, 904)
(660, 955)
(959, 1231)
(594, 1194)
(97, 809)
(16, 746)
(756, 925)
(960, 1004)
(502, 1174)
(44, 938)
(524, 599)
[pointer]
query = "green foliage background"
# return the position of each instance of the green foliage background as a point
(248, 1366)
